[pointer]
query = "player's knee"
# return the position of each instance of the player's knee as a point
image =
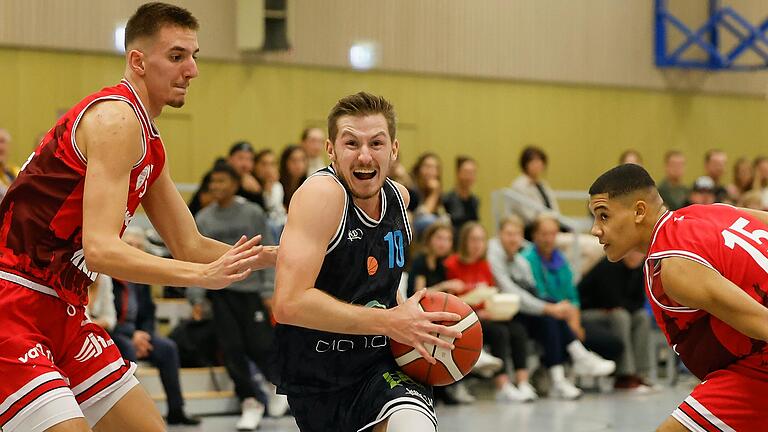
(408, 420)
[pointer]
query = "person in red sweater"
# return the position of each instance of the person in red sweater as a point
(506, 338)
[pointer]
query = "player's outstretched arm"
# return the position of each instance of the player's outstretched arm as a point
(171, 218)
(109, 136)
(313, 218)
(697, 286)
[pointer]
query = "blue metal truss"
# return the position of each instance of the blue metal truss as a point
(707, 37)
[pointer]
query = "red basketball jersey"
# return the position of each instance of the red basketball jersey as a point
(729, 241)
(41, 217)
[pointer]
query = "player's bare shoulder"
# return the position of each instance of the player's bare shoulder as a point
(107, 123)
(318, 204)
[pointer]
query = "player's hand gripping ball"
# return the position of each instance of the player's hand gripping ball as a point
(451, 365)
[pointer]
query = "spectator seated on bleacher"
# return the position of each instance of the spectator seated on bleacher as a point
(555, 282)
(507, 338)
(461, 204)
(613, 297)
(427, 174)
(546, 322)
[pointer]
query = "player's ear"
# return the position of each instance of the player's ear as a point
(395, 149)
(329, 150)
(136, 61)
(641, 210)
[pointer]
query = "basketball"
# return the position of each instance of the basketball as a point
(373, 265)
(452, 365)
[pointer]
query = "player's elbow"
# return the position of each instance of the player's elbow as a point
(97, 255)
(284, 311)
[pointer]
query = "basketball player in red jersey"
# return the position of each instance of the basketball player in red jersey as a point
(60, 225)
(706, 276)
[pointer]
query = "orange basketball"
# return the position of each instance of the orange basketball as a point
(373, 265)
(451, 365)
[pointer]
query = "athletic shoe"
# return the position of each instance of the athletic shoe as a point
(277, 404)
(487, 365)
(459, 393)
(592, 364)
(252, 412)
(564, 390)
(509, 393)
(528, 392)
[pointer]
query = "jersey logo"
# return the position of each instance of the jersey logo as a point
(78, 260)
(92, 347)
(677, 219)
(142, 180)
(355, 234)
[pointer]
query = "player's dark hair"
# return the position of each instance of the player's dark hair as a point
(622, 180)
(358, 105)
(224, 167)
(149, 18)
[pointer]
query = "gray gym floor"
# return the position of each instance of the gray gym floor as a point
(618, 411)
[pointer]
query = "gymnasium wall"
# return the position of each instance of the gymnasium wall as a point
(594, 42)
(583, 128)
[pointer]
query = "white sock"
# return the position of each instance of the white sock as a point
(557, 373)
(409, 420)
(576, 350)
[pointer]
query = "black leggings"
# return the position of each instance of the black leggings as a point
(507, 339)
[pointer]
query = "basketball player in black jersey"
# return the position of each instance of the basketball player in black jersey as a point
(336, 302)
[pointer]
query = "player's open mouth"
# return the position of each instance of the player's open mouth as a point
(364, 174)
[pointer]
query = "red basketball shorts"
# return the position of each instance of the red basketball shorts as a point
(731, 399)
(49, 351)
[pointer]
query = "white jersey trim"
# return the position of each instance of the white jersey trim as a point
(403, 209)
(153, 132)
(339, 235)
(98, 376)
(101, 99)
(28, 387)
(650, 273)
(18, 280)
(707, 414)
(369, 221)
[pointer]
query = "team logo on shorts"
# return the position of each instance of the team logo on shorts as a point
(92, 347)
(37, 351)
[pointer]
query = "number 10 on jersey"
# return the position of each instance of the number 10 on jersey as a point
(394, 240)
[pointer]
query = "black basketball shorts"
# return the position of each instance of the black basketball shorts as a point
(358, 408)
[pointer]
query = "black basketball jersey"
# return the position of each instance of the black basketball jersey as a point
(362, 266)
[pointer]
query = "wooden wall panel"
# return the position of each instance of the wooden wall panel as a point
(585, 42)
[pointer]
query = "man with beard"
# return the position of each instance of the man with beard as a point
(341, 258)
